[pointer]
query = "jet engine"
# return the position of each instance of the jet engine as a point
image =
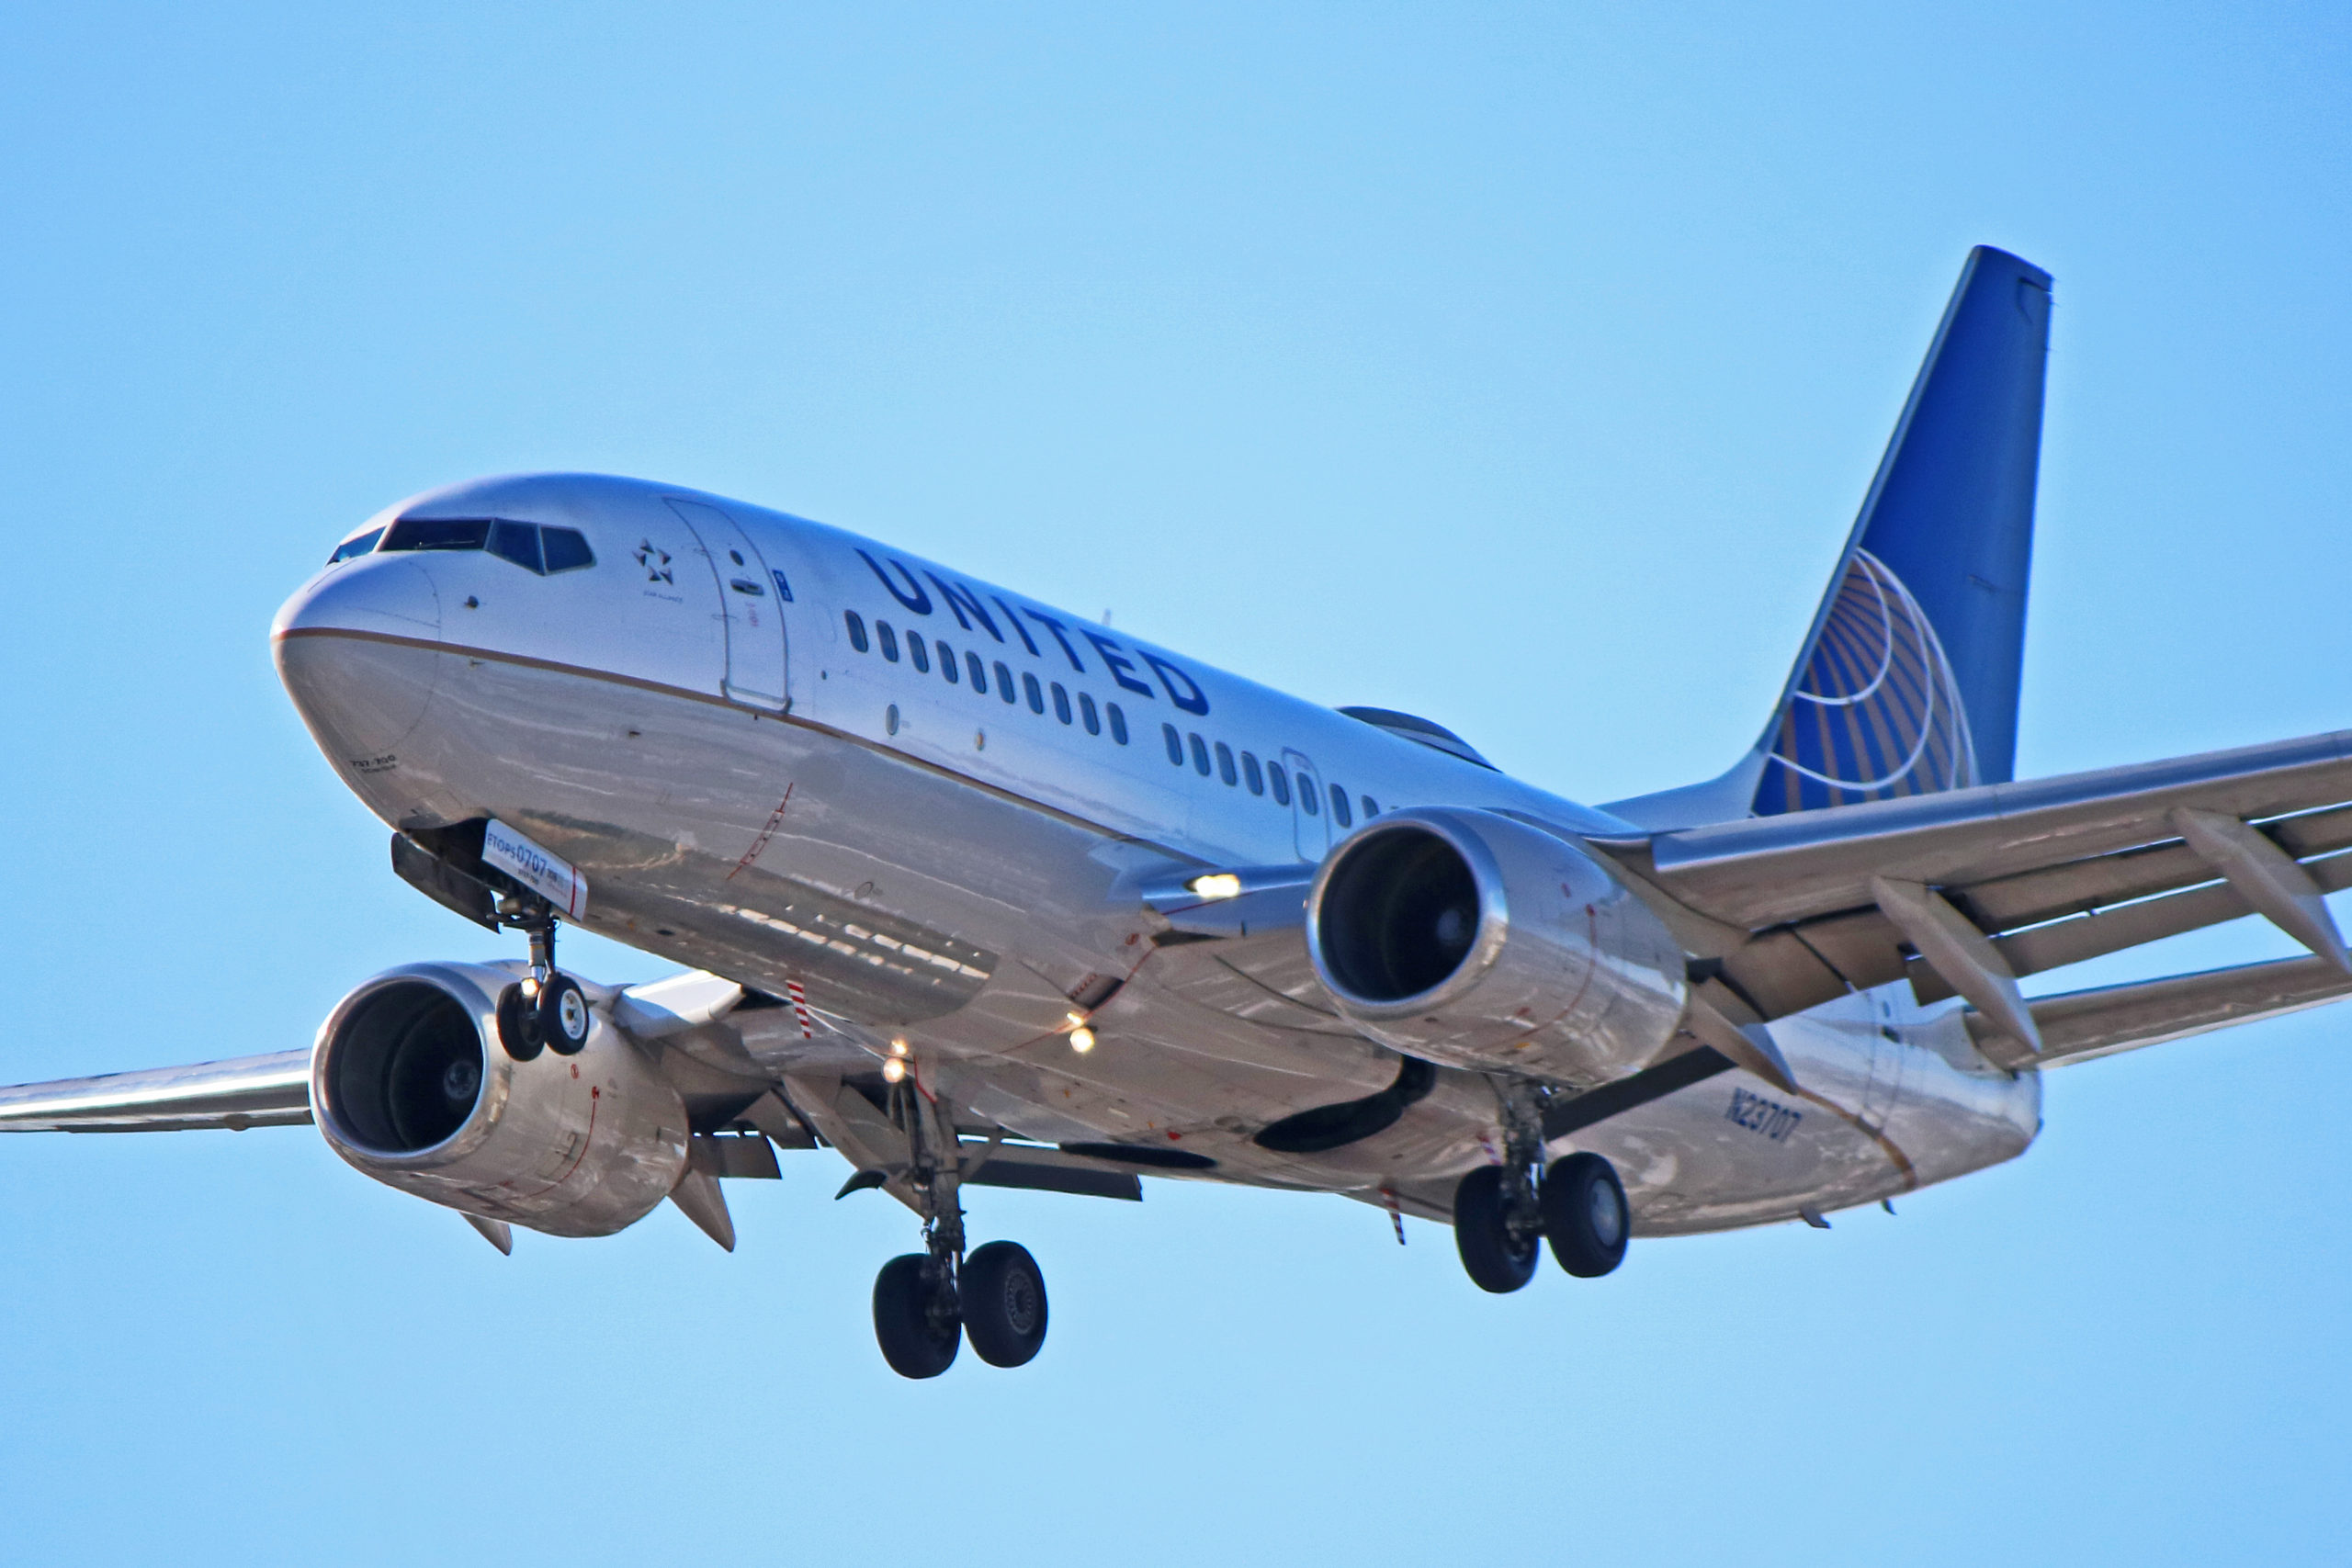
(409, 1084)
(1472, 938)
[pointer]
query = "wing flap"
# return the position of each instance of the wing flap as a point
(2054, 872)
(248, 1091)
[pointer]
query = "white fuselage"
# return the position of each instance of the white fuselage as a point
(949, 860)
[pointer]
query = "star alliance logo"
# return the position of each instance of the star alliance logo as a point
(656, 562)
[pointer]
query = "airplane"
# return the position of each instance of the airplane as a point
(981, 894)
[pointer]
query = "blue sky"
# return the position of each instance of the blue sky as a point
(1519, 366)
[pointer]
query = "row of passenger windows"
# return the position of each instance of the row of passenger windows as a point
(1260, 779)
(1237, 770)
(919, 652)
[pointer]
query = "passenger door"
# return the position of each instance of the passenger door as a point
(1309, 827)
(747, 595)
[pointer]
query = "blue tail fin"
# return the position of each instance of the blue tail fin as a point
(1907, 684)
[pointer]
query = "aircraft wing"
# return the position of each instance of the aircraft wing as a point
(1965, 891)
(249, 1092)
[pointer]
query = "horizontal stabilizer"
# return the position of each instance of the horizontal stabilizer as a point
(2079, 1025)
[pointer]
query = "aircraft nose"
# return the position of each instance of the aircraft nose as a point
(358, 649)
(390, 595)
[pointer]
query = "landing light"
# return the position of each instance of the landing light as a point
(1218, 885)
(894, 1070)
(1081, 1039)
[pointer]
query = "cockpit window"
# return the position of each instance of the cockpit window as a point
(535, 548)
(358, 546)
(439, 533)
(567, 551)
(517, 542)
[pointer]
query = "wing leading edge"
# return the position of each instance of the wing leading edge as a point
(248, 1091)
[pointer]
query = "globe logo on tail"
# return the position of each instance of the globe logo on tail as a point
(1875, 713)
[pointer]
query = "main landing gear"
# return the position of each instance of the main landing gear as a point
(1502, 1213)
(926, 1303)
(548, 1010)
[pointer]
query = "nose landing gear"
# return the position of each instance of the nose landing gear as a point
(548, 1010)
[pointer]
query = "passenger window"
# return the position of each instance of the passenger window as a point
(437, 534)
(1307, 795)
(1086, 711)
(979, 676)
(856, 629)
(358, 546)
(1004, 683)
(1036, 693)
(890, 640)
(1061, 702)
(948, 663)
(567, 550)
(1118, 723)
(918, 652)
(1250, 775)
(1225, 765)
(1200, 755)
(1371, 808)
(1175, 744)
(1340, 811)
(1281, 781)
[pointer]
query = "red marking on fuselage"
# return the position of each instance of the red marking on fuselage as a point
(776, 818)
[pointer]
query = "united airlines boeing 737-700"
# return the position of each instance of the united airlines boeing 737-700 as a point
(980, 893)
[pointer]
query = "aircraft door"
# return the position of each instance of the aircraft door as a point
(1309, 826)
(748, 605)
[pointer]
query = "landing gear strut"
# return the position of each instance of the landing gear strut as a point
(1497, 1220)
(1501, 1214)
(549, 1009)
(926, 1302)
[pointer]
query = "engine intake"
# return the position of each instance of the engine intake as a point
(407, 1069)
(411, 1088)
(1401, 916)
(1475, 939)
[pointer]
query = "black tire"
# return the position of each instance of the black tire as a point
(1483, 1237)
(1585, 1215)
(903, 1324)
(1003, 1297)
(564, 1019)
(518, 1025)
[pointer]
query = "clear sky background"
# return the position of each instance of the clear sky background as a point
(1518, 365)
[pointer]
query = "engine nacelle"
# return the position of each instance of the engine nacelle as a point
(1470, 938)
(410, 1085)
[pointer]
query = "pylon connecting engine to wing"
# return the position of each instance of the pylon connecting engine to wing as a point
(410, 1085)
(1475, 939)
